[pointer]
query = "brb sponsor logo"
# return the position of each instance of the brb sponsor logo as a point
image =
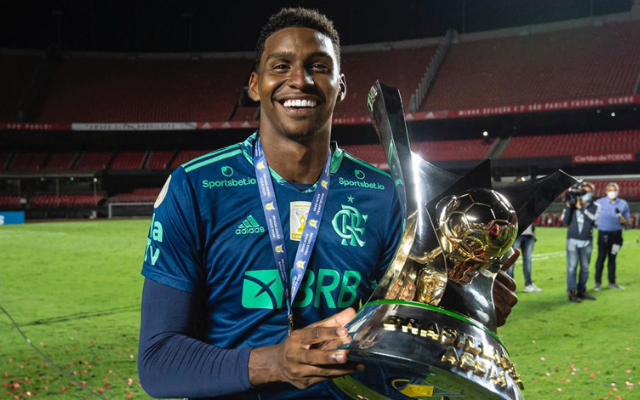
(360, 182)
(263, 289)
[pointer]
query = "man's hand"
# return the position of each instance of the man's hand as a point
(504, 287)
(301, 360)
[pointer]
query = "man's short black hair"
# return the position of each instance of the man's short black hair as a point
(297, 18)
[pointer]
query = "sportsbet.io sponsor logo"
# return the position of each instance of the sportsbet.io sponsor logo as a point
(263, 289)
(226, 171)
(228, 183)
(360, 182)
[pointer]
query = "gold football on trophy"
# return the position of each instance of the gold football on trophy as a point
(475, 229)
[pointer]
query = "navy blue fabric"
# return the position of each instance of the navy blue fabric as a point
(171, 363)
(590, 214)
(208, 238)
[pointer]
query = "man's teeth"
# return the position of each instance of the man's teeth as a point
(300, 103)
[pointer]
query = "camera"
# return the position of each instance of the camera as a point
(573, 195)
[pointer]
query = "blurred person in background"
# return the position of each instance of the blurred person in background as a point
(525, 243)
(580, 215)
(614, 215)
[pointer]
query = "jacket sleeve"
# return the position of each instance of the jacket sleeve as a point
(171, 362)
(595, 215)
(566, 216)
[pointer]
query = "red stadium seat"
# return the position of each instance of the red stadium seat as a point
(128, 160)
(60, 161)
(27, 161)
(118, 90)
(94, 160)
(4, 160)
(245, 114)
(160, 159)
(9, 202)
(186, 156)
(594, 143)
(140, 195)
(401, 68)
(580, 63)
(448, 150)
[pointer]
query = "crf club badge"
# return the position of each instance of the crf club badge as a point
(163, 193)
(349, 224)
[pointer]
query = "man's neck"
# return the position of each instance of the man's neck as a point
(296, 161)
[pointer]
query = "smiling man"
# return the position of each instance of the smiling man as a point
(258, 253)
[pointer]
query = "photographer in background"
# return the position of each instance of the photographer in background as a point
(613, 216)
(580, 215)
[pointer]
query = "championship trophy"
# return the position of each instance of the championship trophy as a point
(429, 329)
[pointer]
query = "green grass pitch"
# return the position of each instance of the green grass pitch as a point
(75, 287)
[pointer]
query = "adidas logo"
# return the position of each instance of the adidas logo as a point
(249, 226)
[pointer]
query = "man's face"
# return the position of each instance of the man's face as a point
(298, 83)
(587, 189)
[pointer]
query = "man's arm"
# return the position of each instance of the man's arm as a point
(171, 363)
(567, 213)
(593, 217)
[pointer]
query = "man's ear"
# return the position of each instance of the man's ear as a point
(343, 88)
(253, 87)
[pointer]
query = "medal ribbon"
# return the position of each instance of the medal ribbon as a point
(276, 232)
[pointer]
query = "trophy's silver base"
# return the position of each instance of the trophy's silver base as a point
(414, 350)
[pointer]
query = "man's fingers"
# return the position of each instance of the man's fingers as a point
(339, 319)
(318, 334)
(511, 260)
(506, 280)
(504, 300)
(324, 357)
(314, 375)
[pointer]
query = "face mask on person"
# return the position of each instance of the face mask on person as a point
(587, 197)
(612, 194)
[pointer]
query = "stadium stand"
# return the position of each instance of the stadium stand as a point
(629, 189)
(187, 155)
(5, 156)
(94, 160)
(245, 114)
(9, 202)
(401, 68)
(60, 161)
(573, 144)
(28, 161)
(128, 160)
(159, 159)
(140, 195)
(453, 150)
(15, 77)
(119, 90)
(449, 150)
(577, 63)
(65, 200)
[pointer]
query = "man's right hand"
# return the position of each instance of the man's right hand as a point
(300, 360)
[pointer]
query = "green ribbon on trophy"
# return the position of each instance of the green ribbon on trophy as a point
(428, 330)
